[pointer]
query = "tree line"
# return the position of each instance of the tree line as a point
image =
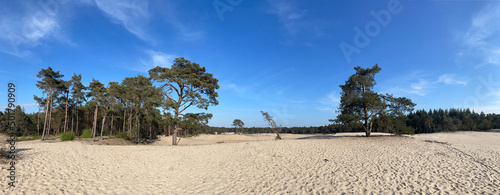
(417, 122)
(140, 108)
(137, 107)
(420, 121)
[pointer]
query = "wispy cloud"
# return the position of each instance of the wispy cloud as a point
(419, 88)
(26, 26)
(415, 82)
(450, 80)
(28, 105)
(24, 106)
(267, 86)
(418, 83)
(288, 14)
(155, 58)
(329, 102)
(482, 40)
(184, 28)
(487, 109)
(231, 86)
(296, 20)
(132, 14)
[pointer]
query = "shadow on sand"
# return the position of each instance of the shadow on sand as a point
(339, 136)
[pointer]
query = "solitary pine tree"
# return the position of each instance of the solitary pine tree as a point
(361, 106)
(238, 124)
(185, 84)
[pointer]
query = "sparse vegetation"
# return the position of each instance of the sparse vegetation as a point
(4, 155)
(119, 135)
(68, 136)
(87, 133)
(27, 138)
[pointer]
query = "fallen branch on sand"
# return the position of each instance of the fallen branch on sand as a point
(434, 141)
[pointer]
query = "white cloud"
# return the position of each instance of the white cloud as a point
(24, 106)
(450, 80)
(297, 21)
(288, 14)
(330, 102)
(154, 59)
(487, 109)
(132, 14)
(482, 40)
(231, 86)
(419, 88)
(26, 26)
(28, 105)
(419, 83)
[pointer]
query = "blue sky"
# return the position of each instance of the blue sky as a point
(284, 57)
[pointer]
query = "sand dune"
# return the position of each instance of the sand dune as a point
(299, 164)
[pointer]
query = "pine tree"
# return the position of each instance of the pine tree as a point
(97, 92)
(50, 81)
(185, 84)
(360, 106)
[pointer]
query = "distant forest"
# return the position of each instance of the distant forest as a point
(136, 108)
(420, 121)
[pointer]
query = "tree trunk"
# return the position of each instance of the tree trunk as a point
(174, 136)
(137, 126)
(94, 127)
(66, 113)
(50, 116)
(46, 114)
(130, 123)
(368, 130)
(38, 121)
(72, 121)
(277, 134)
(103, 121)
(77, 118)
(168, 130)
(111, 126)
(124, 119)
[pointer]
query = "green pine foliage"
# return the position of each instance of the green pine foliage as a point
(119, 135)
(87, 133)
(68, 136)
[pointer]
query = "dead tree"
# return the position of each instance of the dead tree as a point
(272, 123)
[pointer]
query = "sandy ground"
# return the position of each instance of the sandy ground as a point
(299, 164)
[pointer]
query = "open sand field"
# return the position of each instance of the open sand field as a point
(441, 163)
